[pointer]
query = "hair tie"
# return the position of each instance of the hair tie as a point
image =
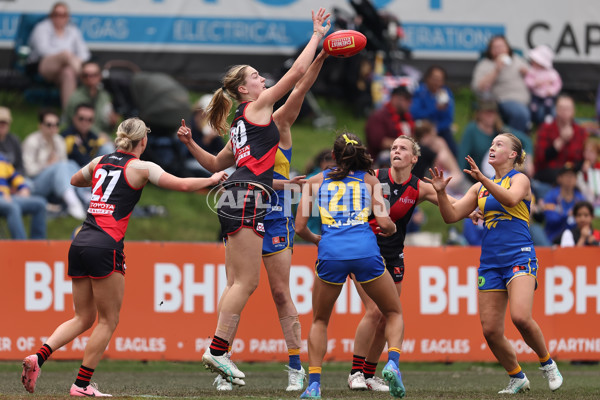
(223, 88)
(349, 141)
(523, 154)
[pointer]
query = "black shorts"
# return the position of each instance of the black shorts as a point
(243, 205)
(95, 262)
(396, 268)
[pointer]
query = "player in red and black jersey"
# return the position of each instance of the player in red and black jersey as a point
(403, 191)
(253, 143)
(96, 259)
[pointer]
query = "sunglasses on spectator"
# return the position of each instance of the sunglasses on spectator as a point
(59, 15)
(51, 125)
(4, 122)
(90, 75)
(84, 119)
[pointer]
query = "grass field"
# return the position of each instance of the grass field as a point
(268, 380)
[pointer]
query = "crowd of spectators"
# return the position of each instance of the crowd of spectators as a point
(513, 94)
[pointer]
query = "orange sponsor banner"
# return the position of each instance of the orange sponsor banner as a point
(172, 290)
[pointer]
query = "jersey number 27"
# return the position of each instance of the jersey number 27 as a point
(101, 175)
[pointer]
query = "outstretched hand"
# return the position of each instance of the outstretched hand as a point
(298, 180)
(318, 20)
(474, 171)
(184, 133)
(437, 179)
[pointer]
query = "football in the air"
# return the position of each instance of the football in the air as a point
(344, 43)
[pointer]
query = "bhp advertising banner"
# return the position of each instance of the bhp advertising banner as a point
(172, 290)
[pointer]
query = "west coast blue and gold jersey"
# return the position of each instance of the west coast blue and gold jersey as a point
(281, 202)
(506, 238)
(344, 206)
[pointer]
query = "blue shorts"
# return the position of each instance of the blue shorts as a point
(495, 279)
(337, 271)
(279, 235)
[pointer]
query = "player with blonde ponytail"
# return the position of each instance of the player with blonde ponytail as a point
(253, 145)
(96, 258)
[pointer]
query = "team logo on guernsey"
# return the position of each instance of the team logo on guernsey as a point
(229, 198)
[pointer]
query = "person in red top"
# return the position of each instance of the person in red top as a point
(559, 142)
(252, 147)
(387, 123)
(96, 259)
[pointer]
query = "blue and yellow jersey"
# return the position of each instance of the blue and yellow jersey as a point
(281, 201)
(506, 238)
(344, 207)
(10, 180)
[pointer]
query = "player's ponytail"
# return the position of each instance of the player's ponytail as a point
(220, 105)
(129, 133)
(350, 155)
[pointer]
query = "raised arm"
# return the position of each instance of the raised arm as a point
(520, 187)
(300, 66)
(212, 163)
(428, 193)
(286, 115)
(451, 211)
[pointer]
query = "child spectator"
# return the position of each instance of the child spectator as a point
(544, 83)
(583, 234)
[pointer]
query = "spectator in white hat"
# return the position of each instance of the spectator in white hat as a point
(544, 83)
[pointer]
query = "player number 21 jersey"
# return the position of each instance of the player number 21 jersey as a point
(344, 206)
